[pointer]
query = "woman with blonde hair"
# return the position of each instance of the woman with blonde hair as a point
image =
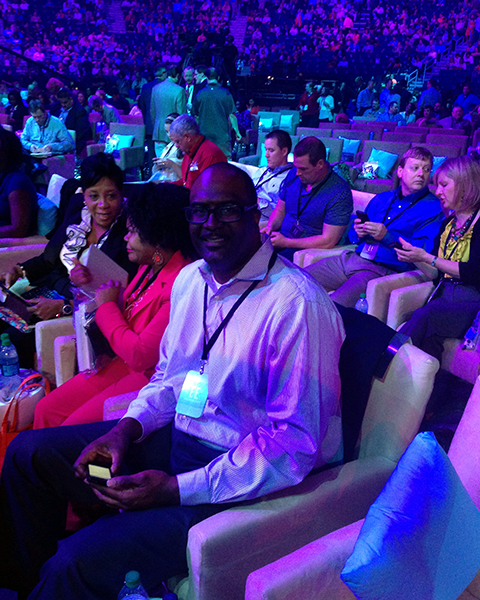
(454, 262)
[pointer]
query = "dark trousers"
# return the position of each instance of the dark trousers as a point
(449, 315)
(310, 120)
(38, 481)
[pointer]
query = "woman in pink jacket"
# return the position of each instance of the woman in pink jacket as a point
(158, 239)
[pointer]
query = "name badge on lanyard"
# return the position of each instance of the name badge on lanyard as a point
(194, 392)
(193, 395)
(297, 230)
(370, 250)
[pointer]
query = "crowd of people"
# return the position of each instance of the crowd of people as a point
(224, 354)
(76, 40)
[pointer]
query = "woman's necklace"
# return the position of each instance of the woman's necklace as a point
(459, 232)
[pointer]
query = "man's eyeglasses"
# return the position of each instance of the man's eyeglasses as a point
(228, 213)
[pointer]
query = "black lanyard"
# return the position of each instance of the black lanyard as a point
(261, 183)
(310, 195)
(411, 205)
(191, 159)
(207, 346)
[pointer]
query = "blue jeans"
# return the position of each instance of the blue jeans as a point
(38, 481)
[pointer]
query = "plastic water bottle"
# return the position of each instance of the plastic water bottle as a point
(10, 379)
(133, 588)
(8, 357)
(472, 337)
(362, 304)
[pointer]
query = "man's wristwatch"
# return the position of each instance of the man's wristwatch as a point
(67, 309)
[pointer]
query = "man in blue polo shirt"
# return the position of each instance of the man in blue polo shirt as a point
(314, 205)
(411, 212)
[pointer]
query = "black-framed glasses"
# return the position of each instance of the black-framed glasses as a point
(226, 213)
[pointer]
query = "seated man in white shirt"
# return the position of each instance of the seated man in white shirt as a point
(244, 401)
(267, 180)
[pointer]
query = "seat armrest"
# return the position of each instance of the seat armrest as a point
(131, 157)
(9, 257)
(235, 542)
(32, 240)
(65, 355)
(379, 291)
(45, 334)
(95, 149)
(311, 572)
(253, 160)
(404, 300)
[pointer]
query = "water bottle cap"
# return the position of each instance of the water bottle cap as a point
(132, 579)
(5, 339)
(363, 295)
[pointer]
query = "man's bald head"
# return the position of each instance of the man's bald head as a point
(225, 196)
(232, 181)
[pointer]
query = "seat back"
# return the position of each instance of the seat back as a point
(308, 131)
(289, 120)
(440, 150)
(375, 128)
(446, 131)
(398, 148)
(386, 125)
(448, 140)
(413, 129)
(264, 118)
(325, 126)
(350, 134)
(400, 136)
(132, 119)
(396, 404)
(476, 138)
(125, 129)
(335, 147)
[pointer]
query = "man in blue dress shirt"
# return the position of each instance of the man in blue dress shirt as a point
(411, 212)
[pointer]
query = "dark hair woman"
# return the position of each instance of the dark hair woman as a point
(16, 110)
(158, 241)
(93, 217)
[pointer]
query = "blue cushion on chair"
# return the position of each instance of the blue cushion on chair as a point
(421, 536)
(437, 161)
(385, 160)
(350, 148)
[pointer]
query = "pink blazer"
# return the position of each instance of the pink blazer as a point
(137, 342)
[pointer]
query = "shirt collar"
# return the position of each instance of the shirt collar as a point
(279, 169)
(412, 197)
(256, 268)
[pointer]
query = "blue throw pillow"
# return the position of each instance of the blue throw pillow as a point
(420, 538)
(117, 142)
(437, 161)
(350, 148)
(385, 160)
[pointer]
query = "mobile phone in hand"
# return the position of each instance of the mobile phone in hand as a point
(362, 216)
(98, 474)
(396, 245)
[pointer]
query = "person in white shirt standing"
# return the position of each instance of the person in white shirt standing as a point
(244, 401)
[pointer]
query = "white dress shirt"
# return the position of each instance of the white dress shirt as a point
(273, 383)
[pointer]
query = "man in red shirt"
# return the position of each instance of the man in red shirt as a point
(199, 152)
(308, 105)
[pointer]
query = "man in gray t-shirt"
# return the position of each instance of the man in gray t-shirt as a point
(215, 111)
(314, 205)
